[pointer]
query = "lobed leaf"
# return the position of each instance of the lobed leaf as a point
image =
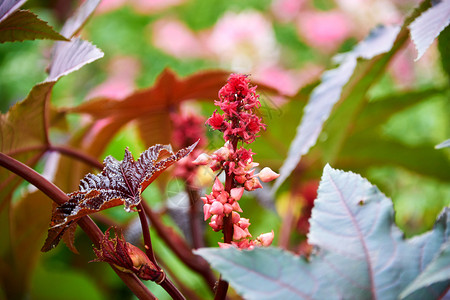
(120, 182)
(24, 25)
(329, 92)
(360, 253)
(436, 273)
(425, 28)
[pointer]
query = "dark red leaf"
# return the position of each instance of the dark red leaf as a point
(120, 182)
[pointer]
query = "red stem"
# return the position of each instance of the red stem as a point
(86, 223)
(196, 229)
(166, 284)
(222, 286)
(179, 247)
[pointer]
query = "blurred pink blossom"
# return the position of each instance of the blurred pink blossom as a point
(151, 6)
(324, 30)
(402, 69)
(287, 82)
(242, 40)
(109, 5)
(286, 10)
(140, 6)
(175, 38)
(366, 14)
(120, 83)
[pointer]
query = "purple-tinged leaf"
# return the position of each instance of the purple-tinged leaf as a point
(120, 182)
(267, 273)
(328, 93)
(429, 25)
(71, 56)
(359, 252)
(444, 144)
(7, 7)
(436, 273)
(79, 18)
(353, 219)
(25, 25)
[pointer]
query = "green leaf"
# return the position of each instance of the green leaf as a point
(437, 272)
(428, 25)
(380, 110)
(366, 150)
(24, 25)
(360, 253)
(444, 49)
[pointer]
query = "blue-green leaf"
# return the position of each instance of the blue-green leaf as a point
(359, 252)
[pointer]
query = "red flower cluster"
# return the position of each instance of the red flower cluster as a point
(187, 129)
(238, 100)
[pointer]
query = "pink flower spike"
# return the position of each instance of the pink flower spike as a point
(227, 208)
(252, 184)
(236, 207)
(240, 179)
(235, 217)
(216, 208)
(267, 175)
(218, 186)
(223, 197)
(244, 223)
(202, 160)
(224, 245)
(214, 226)
(206, 212)
(266, 239)
(239, 233)
(222, 153)
(236, 193)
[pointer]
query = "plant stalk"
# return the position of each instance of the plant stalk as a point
(86, 223)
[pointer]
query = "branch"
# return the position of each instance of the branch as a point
(86, 223)
(179, 247)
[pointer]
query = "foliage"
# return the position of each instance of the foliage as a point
(380, 109)
(359, 252)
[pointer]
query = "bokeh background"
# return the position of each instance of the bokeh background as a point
(283, 44)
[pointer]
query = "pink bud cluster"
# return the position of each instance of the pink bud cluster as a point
(238, 163)
(237, 99)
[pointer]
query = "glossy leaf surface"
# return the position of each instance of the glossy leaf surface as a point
(120, 182)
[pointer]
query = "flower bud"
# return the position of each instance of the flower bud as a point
(206, 213)
(217, 186)
(216, 208)
(266, 239)
(267, 175)
(252, 184)
(202, 160)
(236, 193)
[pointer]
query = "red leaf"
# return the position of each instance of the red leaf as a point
(120, 182)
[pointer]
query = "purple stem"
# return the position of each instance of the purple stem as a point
(86, 223)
